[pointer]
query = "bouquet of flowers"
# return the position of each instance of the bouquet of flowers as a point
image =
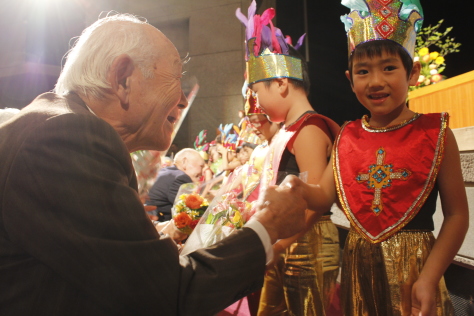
(230, 212)
(188, 207)
(226, 213)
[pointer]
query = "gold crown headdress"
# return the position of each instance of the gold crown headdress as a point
(395, 20)
(267, 49)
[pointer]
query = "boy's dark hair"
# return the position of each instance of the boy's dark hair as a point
(377, 48)
(305, 84)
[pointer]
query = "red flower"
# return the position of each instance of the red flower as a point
(193, 201)
(193, 223)
(182, 220)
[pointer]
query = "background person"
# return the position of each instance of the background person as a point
(187, 168)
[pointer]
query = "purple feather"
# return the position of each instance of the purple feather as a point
(281, 41)
(250, 28)
(266, 39)
(283, 45)
(300, 41)
(250, 14)
(242, 18)
(252, 9)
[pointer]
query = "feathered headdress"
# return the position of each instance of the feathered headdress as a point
(267, 49)
(201, 145)
(395, 20)
(229, 134)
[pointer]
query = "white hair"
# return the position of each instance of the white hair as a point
(188, 153)
(7, 113)
(88, 62)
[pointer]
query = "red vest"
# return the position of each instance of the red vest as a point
(283, 137)
(383, 176)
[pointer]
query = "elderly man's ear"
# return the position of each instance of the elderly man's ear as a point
(119, 77)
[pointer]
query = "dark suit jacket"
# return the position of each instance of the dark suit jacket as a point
(164, 190)
(74, 237)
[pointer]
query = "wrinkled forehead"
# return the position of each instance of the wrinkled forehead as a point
(166, 51)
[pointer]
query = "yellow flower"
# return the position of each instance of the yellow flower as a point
(424, 51)
(237, 217)
(434, 55)
(439, 60)
(178, 207)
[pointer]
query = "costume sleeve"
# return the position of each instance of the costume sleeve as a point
(70, 204)
(174, 188)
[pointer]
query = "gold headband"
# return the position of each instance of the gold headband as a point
(269, 65)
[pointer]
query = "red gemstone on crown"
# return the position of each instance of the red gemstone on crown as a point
(385, 12)
(385, 29)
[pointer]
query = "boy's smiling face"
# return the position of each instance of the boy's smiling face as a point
(381, 84)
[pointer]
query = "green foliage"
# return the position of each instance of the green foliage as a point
(432, 58)
(431, 35)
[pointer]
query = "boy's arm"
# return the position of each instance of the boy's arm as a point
(453, 229)
(321, 196)
(311, 148)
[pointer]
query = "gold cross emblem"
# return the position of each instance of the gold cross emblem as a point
(380, 177)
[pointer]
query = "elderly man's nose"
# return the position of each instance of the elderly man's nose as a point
(183, 102)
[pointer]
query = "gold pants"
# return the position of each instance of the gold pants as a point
(303, 280)
(377, 279)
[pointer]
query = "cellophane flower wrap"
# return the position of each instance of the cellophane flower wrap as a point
(226, 213)
(188, 207)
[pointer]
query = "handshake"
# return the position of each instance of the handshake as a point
(281, 209)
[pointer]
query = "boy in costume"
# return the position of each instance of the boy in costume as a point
(388, 169)
(306, 266)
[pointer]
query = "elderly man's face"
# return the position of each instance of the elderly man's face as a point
(158, 102)
(193, 166)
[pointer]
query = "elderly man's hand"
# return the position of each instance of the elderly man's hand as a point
(168, 228)
(282, 209)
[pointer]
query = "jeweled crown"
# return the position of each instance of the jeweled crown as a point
(395, 20)
(267, 53)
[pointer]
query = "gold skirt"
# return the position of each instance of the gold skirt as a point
(303, 280)
(377, 279)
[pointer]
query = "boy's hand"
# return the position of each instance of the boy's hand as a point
(281, 210)
(423, 300)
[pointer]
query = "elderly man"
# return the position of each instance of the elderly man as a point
(188, 165)
(74, 237)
